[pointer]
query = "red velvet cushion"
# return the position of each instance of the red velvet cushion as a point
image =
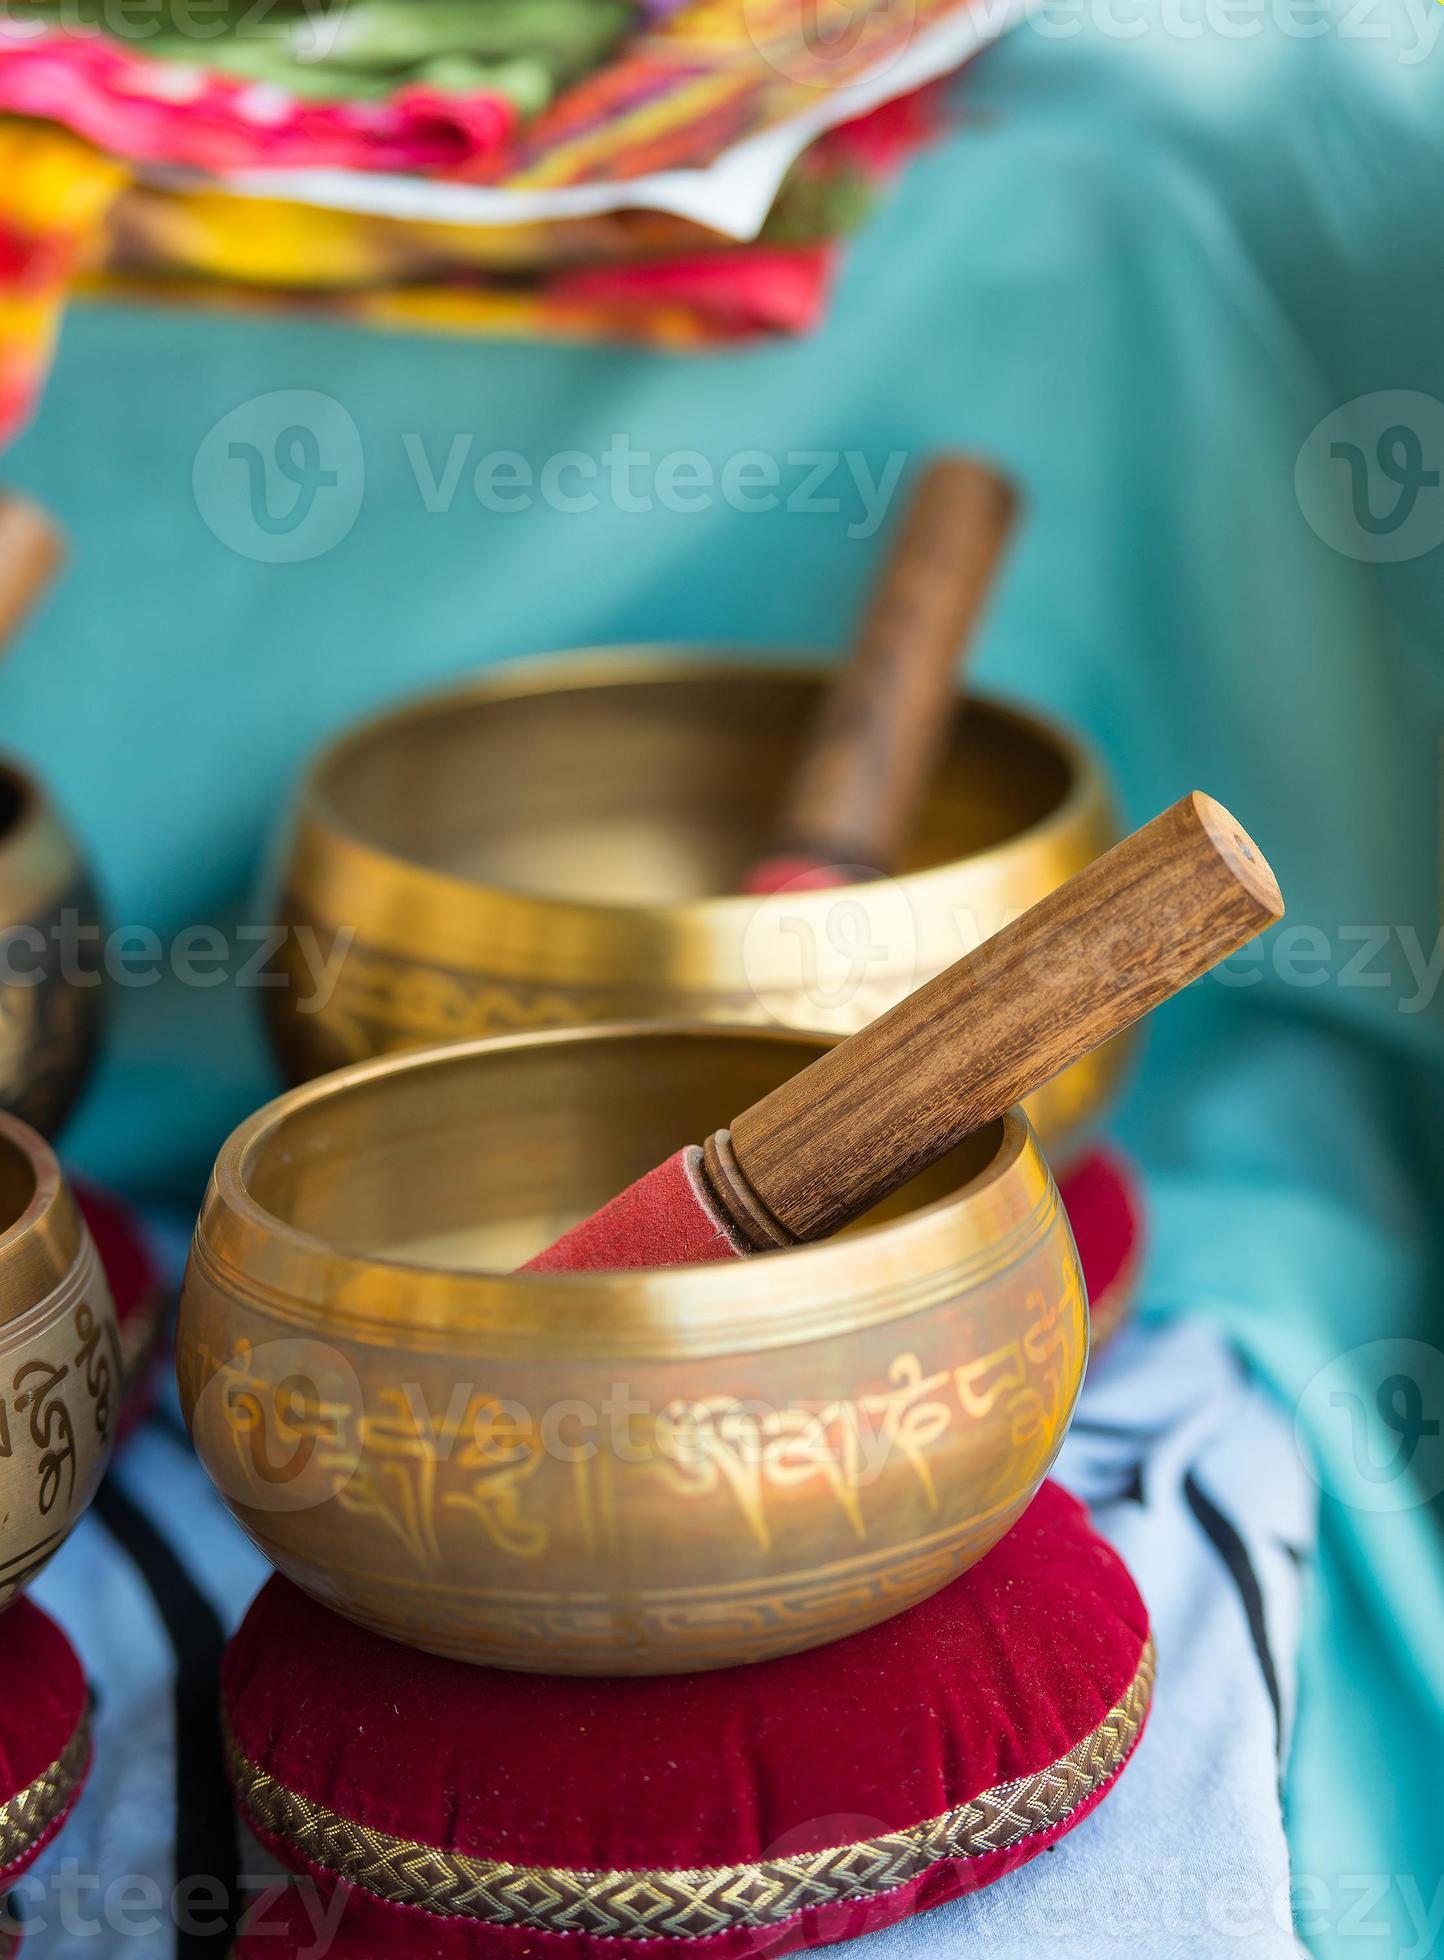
(415, 1776)
(1105, 1208)
(44, 1735)
(138, 1288)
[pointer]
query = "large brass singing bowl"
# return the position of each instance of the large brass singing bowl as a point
(561, 843)
(59, 1360)
(633, 1472)
(51, 994)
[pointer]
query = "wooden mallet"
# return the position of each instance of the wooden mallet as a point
(31, 552)
(1152, 914)
(874, 744)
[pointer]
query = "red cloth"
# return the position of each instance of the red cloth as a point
(201, 119)
(744, 290)
(43, 1705)
(996, 1677)
(664, 1219)
(794, 874)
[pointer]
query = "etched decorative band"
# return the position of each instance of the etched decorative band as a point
(690, 1904)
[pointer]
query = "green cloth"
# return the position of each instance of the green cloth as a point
(1139, 276)
(358, 50)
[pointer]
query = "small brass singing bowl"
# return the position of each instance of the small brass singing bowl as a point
(60, 1367)
(51, 992)
(562, 842)
(612, 1473)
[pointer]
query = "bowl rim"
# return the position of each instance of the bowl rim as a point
(38, 864)
(813, 1290)
(41, 1246)
(628, 663)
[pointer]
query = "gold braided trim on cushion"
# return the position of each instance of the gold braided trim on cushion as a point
(690, 1904)
(29, 1814)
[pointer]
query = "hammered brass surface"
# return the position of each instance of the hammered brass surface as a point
(561, 843)
(51, 996)
(59, 1360)
(613, 1472)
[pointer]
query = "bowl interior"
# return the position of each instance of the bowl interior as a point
(472, 1159)
(649, 788)
(17, 1184)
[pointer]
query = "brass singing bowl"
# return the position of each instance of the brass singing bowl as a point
(60, 1366)
(562, 842)
(51, 992)
(612, 1473)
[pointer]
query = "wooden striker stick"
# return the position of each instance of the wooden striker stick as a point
(877, 738)
(31, 551)
(1140, 923)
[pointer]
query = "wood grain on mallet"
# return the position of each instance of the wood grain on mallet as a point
(876, 741)
(1144, 920)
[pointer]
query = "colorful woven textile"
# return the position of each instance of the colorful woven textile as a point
(364, 50)
(69, 216)
(374, 84)
(715, 73)
(422, 89)
(430, 89)
(635, 275)
(55, 194)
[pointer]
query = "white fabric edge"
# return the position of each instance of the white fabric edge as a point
(731, 196)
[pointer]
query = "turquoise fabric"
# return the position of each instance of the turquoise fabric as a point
(1140, 274)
